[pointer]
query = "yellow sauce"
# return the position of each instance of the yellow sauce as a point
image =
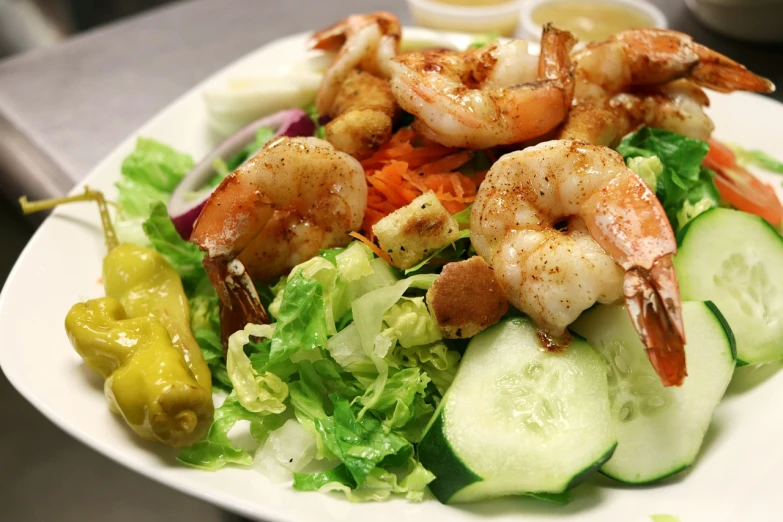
(591, 21)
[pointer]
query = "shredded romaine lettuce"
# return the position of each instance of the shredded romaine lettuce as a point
(301, 322)
(379, 484)
(149, 175)
(349, 374)
(361, 443)
(409, 323)
(648, 168)
(257, 392)
(683, 179)
(354, 262)
(131, 230)
(216, 449)
(156, 165)
(346, 349)
(183, 255)
(691, 210)
(370, 309)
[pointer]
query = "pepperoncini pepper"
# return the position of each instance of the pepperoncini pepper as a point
(138, 338)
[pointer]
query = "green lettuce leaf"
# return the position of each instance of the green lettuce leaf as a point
(409, 323)
(216, 449)
(683, 179)
(379, 484)
(361, 444)
(156, 165)
(396, 402)
(212, 350)
(205, 312)
(437, 360)
(308, 403)
(463, 216)
(315, 481)
(301, 322)
(648, 168)
(330, 254)
(354, 262)
(148, 176)
(369, 311)
(455, 251)
(310, 395)
(135, 200)
(312, 111)
(131, 230)
(263, 135)
(257, 392)
(183, 255)
(346, 349)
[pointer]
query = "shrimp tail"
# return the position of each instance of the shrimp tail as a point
(720, 73)
(332, 38)
(652, 299)
(239, 301)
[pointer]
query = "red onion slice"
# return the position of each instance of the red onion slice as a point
(183, 213)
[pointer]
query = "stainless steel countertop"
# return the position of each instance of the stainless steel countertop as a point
(64, 108)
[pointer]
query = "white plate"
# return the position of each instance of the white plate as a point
(736, 477)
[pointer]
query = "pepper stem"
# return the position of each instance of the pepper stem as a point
(29, 207)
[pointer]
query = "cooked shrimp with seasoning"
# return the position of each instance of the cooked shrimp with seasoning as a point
(650, 77)
(566, 224)
(295, 197)
(355, 92)
(495, 95)
(365, 42)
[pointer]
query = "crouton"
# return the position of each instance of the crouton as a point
(360, 132)
(363, 114)
(466, 298)
(411, 233)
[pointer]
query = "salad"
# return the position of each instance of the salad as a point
(407, 288)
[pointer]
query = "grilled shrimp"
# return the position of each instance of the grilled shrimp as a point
(615, 242)
(364, 42)
(495, 95)
(650, 77)
(295, 197)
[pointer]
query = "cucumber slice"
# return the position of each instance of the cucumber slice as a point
(519, 419)
(659, 430)
(734, 259)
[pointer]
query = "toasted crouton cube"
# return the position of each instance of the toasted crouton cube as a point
(411, 233)
(466, 298)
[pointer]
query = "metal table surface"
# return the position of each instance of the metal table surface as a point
(64, 108)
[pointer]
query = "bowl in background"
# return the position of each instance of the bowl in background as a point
(581, 24)
(752, 20)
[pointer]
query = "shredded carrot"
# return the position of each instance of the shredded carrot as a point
(406, 167)
(378, 252)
